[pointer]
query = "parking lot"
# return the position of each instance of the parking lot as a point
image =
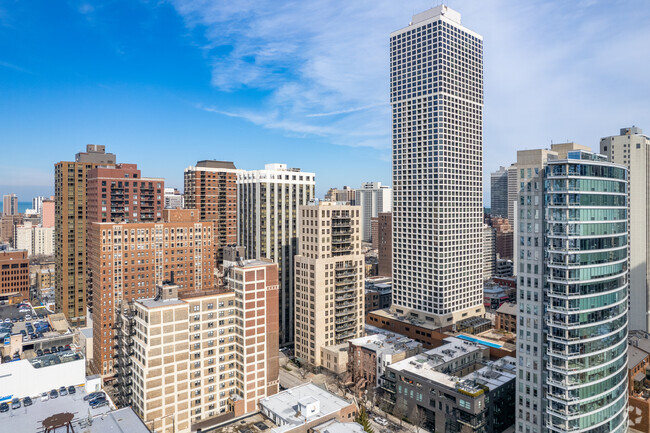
(29, 419)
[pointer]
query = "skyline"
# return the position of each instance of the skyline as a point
(234, 82)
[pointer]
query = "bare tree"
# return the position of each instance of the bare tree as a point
(418, 418)
(384, 405)
(400, 409)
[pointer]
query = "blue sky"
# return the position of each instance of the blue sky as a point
(164, 84)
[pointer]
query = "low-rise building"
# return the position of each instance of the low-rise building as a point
(638, 361)
(379, 293)
(506, 318)
(455, 387)
(14, 276)
(368, 357)
(302, 408)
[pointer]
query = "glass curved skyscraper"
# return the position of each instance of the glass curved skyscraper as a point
(585, 205)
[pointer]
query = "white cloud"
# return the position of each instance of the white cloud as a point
(553, 70)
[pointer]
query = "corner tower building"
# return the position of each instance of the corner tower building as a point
(436, 85)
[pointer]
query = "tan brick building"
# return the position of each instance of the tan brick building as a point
(126, 261)
(70, 230)
(201, 358)
(329, 279)
(211, 188)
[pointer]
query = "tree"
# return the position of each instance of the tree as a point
(363, 420)
(384, 404)
(418, 418)
(400, 409)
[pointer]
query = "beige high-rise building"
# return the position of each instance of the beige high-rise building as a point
(329, 279)
(188, 361)
(632, 149)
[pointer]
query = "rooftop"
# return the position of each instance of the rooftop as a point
(508, 308)
(385, 343)
(118, 421)
(335, 426)
(29, 419)
(284, 405)
(635, 356)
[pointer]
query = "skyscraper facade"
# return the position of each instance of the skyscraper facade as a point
(529, 265)
(489, 252)
(436, 85)
(10, 204)
(268, 203)
(632, 149)
(329, 279)
(211, 188)
(70, 230)
(499, 193)
(587, 292)
(373, 197)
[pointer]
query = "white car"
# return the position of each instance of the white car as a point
(45, 397)
(381, 421)
(28, 317)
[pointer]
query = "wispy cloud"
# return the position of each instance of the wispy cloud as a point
(14, 67)
(553, 70)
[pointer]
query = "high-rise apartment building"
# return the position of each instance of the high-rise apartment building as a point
(211, 188)
(489, 252)
(529, 269)
(36, 240)
(268, 203)
(632, 149)
(385, 244)
(436, 85)
(373, 197)
(10, 204)
(513, 193)
(329, 279)
(587, 292)
(189, 361)
(499, 193)
(126, 261)
(37, 203)
(119, 193)
(47, 213)
(556, 250)
(70, 230)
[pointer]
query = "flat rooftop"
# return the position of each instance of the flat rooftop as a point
(285, 404)
(385, 343)
(29, 419)
(118, 421)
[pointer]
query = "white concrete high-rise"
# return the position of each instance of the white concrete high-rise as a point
(374, 198)
(436, 94)
(632, 149)
(268, 204)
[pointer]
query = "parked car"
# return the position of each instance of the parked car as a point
(45, 396)
(72, 390)
(381, 421)
(94, 404)
(63, 391)
(27, 401)
(53, 349)
(67, 347)
(46, 351)
(39, 352)
(15, 403)
(59, 349)
(28, 317)
(94, 395)
(54, 393)
(4, 407)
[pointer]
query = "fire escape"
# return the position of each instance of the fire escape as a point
(124, 332)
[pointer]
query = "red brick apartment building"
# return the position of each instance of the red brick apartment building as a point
(126, 261)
